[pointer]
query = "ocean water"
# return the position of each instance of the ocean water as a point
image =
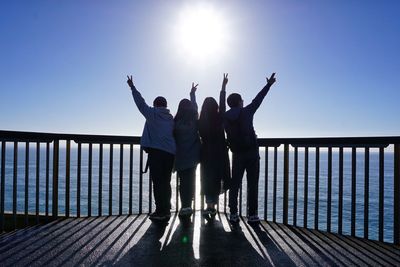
(323, 187)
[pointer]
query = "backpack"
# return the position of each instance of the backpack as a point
(239, 140)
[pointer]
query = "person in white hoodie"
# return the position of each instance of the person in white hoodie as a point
(158, 141)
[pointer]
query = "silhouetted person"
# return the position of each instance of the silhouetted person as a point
(214, 167)
(158, 141)
(242, 140)
(187, 149)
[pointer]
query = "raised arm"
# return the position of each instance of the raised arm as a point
(222, 95)
(139, 100)
(255, 104)
(193, 96)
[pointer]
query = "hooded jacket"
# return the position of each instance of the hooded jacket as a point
(159, 126)
(241, 119)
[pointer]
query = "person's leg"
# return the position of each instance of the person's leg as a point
(156, 175)
(186, 179)
(210, 201)
(253, 174)
(237, 176)
(167, 160)
(192, 183)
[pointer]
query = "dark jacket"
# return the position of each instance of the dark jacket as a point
(238, 124)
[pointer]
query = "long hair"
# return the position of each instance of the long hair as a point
(186, 113)
(210, 120)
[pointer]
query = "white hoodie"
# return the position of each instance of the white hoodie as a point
(159, 126)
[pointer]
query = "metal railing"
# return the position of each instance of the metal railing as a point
(51, 143)
(291, 146)
(290, 149)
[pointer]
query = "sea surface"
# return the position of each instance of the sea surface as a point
(322, 221)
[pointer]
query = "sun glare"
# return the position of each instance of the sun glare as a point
(201, 32)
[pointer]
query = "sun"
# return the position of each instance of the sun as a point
(201, 32)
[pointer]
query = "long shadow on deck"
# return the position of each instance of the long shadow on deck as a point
(135, 241)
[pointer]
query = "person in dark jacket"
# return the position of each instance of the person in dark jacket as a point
(242, 140)
(158, 141)
(214, 167)
(187, 149)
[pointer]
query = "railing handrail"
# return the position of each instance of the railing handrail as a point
(12, 136)
(373, 141)
(376, 141)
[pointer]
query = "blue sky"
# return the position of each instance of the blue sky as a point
(63, 64)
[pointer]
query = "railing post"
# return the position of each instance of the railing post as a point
(55, 179)
(130, 177)
(78, 181)
(366, 192)
(3, 175)
(285, 183)
(340, 206)
(110, 180)
(140, 180)
(26, 182)
(47, 179)
(381, 193)
(121, 176)
(90, 163)
(396, 199)
(100, 208)
(329, 205)
(15, 184)
(67, 177)
(266, 185)
(316, 197)
(295, 183)
(305, 203)
(353, 190)
(275, 183)
(37, 180)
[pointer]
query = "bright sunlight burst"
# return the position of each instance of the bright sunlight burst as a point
(201, 32)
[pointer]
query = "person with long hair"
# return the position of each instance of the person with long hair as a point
(187, 149)
(214, 167)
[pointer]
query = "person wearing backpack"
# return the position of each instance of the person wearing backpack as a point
(242, 141)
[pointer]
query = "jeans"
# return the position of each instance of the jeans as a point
(160, 165)
(250, 162)
(187, 186)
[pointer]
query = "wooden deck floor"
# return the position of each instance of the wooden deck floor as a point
(135, 241)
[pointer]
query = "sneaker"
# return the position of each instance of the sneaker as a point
(186, 211)
(213, 212)
(209, 213)
(253, 219)
(158, 216)
(234, 218)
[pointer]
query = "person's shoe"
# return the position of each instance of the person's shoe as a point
(206, 212)
(213, 212)
(233, 217)
(253, 219)
(158, 216)
(186, 211)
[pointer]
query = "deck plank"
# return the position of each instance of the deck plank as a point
(136, 241)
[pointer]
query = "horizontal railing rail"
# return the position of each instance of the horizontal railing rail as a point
(313, 196)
